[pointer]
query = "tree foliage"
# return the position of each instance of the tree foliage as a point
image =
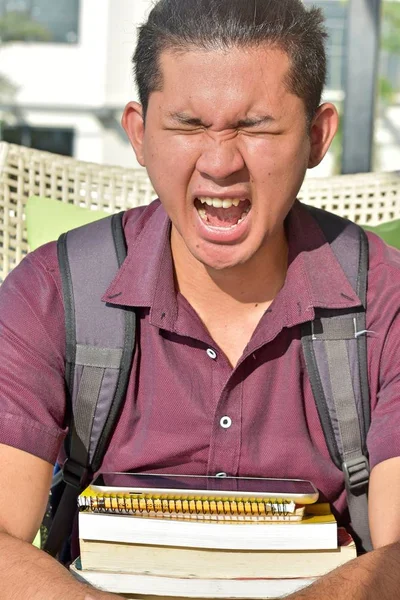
(391, 27)
(18, 26)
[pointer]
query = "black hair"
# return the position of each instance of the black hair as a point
(180, 25)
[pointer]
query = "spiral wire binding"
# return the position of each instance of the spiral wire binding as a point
(245, 509)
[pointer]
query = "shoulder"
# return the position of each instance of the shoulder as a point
(42, 264)
(383, 275)
(36, 282)
(137, 221)
(383, 306)
(381, 255)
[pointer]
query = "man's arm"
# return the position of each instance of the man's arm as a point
(376, 575)
(26, 572)
(384, 503)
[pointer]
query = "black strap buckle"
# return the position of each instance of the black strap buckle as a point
(75, 474)
(356, 472)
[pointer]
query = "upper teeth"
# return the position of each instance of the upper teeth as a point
(218, 203)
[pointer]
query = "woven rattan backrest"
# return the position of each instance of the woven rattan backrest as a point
(25, 172)
(369, 198)
(365, 198)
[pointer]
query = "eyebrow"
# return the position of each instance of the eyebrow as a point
(185, 119)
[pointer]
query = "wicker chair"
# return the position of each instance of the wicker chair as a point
(364, 198)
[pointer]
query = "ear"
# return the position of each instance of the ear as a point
(133, 123)
(323, 129)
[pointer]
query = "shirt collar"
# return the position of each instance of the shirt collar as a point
(146, 278)
(314, 279)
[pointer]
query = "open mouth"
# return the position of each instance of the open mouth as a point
(226, 213)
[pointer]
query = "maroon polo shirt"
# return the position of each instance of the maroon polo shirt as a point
(187, 410)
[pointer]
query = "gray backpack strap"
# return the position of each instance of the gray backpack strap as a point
(100, 342)
(335, 352)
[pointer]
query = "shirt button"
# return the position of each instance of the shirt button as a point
(225, 422)
(222, 474)
(211, 353)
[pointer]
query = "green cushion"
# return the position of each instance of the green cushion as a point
(47, 219)
(389, 232)
(36, 541)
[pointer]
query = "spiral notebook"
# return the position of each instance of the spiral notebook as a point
(198, 498)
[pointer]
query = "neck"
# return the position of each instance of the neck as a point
(257, 281)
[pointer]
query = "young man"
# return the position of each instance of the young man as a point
(221, 272)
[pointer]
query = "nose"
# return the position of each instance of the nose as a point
(220, 159)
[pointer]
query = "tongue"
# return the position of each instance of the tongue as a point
(224, 217)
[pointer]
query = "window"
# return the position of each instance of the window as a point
(39, 20)
(60, 141)
(335, 13)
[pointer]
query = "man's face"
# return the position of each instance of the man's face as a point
(226, 146)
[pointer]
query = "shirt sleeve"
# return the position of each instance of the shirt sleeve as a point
(384, 433)
(32, 341)
(383, 342)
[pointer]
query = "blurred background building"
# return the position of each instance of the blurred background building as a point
(65, 76)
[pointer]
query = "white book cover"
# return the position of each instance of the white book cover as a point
(314, 533)
(126, 583)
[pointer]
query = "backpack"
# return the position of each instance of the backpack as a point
(100, 343)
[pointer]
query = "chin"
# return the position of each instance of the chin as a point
(221, 260)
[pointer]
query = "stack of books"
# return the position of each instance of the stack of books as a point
(149, 545)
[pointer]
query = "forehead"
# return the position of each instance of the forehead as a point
(232, 81)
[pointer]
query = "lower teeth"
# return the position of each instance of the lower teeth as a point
(203, 216)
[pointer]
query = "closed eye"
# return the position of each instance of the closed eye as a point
(186, 129)
(184, 123)
(258, 133)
